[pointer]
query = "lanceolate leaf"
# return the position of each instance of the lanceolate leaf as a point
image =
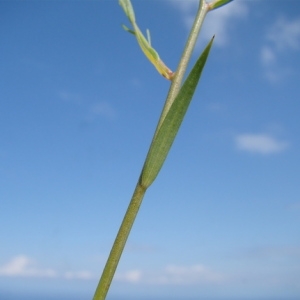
(218, 3)
(166, 134)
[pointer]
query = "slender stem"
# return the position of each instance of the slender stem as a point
(140, 190)
(185, 58)
(119, 244)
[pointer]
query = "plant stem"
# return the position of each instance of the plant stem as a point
(119, 244)
(185, 58)
(140, 190)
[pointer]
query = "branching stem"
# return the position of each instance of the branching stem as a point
(120, 241)
(185, 58)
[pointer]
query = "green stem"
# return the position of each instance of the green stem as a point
(120, 241)
(185, 58)
(119, 244)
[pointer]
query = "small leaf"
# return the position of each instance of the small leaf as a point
(218, 3)
(128, 30)
(144, 43)
(167, 132)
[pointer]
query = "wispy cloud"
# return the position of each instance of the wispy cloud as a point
(218, 22)
(173, 275)
(282, 37)
(284, 34)
(185, 275)
(133, 276)
(25, 267)
(94, 110)
(221, 21)
(260, 143)
(268, 56)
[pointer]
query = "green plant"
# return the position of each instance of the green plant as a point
(176, 105)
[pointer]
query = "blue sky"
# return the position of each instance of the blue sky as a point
(78, 106)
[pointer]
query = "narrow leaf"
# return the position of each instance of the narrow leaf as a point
(144, 43)
(218, 3)
(166, 134)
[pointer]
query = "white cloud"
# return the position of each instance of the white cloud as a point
(25, 267)
(268, 55)
(285, 34)
(173, 275)
(132, 276)
(218, 22)
(281, 38)
(272, 72)
(260, 143)
(186, 275)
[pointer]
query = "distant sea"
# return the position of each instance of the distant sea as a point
(17, 296)
(70, 297)
(40, 297)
